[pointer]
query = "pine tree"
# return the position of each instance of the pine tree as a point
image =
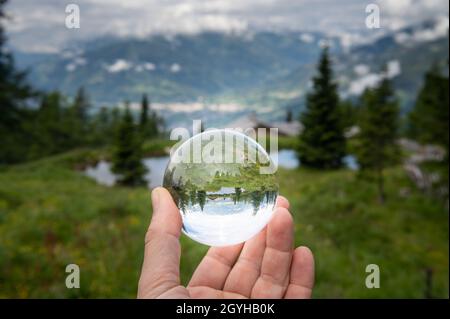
(49, 133)
(149, 120)
(14, 118)
(81, 105)
(289, 116)
(143, 121)
(80, 121)
(127, 159)
(322, 142)
(115, 120)
(428, 121)
(101, 125)
(349, 114)
(377, 141)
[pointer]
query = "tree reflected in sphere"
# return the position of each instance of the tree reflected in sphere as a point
(218, 181)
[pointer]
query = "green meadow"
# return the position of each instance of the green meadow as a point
(51, 215)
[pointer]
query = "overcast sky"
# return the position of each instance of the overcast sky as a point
(39, 26)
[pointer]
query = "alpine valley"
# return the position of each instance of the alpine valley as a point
(197, 76)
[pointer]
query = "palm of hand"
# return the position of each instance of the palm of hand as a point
(266, 266)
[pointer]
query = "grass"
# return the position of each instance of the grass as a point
(51, 216)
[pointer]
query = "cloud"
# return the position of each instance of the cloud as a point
(361, 69)
(440, 29)
(393, 69)
(371, 80)
(71, 67)
(367, 81)
(307, 38)
(33, 22)
(119, 66)
(147, 66)
(399, 13)
(175, 68)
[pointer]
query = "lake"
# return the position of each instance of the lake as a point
(102, 174)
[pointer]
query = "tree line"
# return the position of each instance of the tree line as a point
(55, 124)
(326, 118)
(36, 124)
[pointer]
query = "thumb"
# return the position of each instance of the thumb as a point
(161, 266)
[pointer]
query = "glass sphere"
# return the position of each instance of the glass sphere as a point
(223, 186)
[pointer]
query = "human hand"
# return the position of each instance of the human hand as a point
(266, 266)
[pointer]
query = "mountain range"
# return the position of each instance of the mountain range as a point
(267, 72)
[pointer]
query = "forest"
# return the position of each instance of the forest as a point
(391, 211)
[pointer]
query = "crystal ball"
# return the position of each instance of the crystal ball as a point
(224, 185)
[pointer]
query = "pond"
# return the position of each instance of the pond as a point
(156, 166)
(288, 159)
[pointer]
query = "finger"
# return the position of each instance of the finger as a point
(282, 202)
(213, 270)
(210, 293)
(246, 271)
(302, 274)
(274, 277)
(160, 269)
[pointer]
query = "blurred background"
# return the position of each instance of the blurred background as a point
(89, 94)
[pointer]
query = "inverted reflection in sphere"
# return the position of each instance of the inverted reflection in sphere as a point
(219, 182)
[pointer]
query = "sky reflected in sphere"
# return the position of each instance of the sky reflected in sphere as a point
(216, 181)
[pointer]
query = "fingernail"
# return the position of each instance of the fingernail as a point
(155, 198)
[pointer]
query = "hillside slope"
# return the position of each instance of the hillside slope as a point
(178, 68)
(52, 215)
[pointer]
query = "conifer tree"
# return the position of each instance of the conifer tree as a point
(377, 141)
(80, 122)
(349, 114)
(289, 116)
(101, 126)
(49, 134)
(322, 142)
(149, 120)
(143, 121)
(14, 91)
(201, 197)
(428, 121)
(81, 105)
(127, 158)
(115, 119)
